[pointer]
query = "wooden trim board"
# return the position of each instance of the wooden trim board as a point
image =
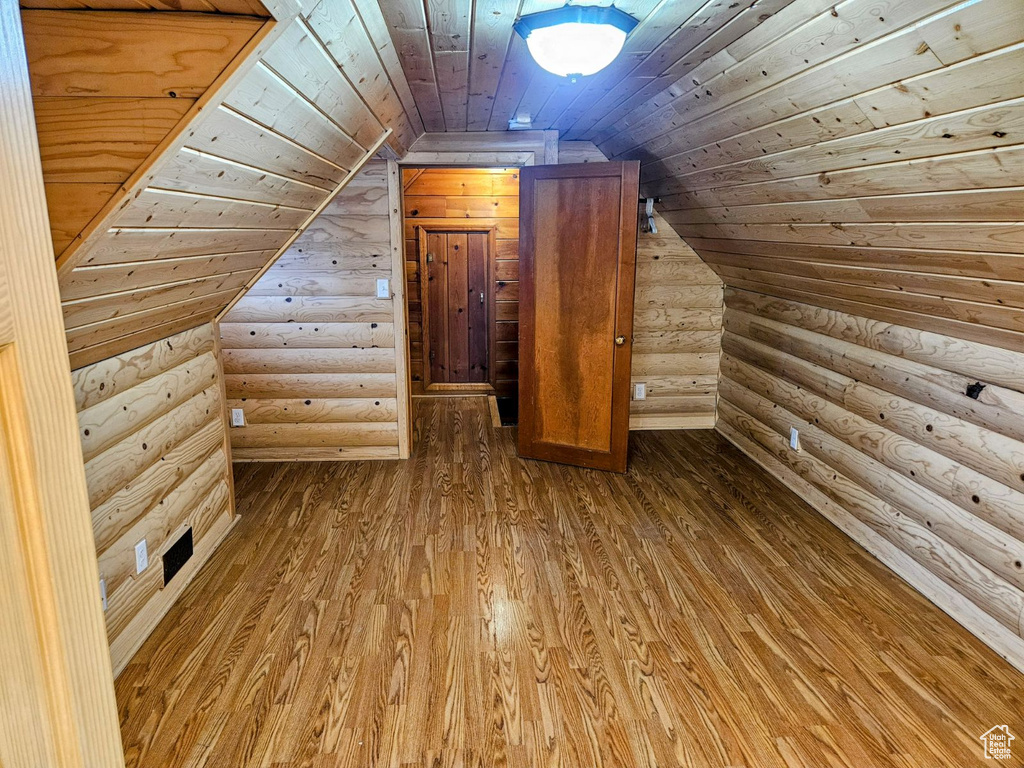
(58, 706)
(403, 395)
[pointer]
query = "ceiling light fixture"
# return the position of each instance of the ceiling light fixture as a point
(576, 40)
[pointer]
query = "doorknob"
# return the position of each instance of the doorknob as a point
(620, 340)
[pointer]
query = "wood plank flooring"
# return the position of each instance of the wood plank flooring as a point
(467, 608)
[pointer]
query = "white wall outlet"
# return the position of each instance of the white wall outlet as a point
(141, 557)
(237, 417)
(103, 593)
(794, 438)
(640, 391)
(383, 288)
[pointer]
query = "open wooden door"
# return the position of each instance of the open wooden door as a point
(577, 265)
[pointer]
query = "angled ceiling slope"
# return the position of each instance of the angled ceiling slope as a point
(863, 155)
(289, 122)
(108, 87)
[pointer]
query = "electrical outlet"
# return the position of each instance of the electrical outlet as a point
(640, 391)
(141, 557)
(237, 417)
(103, 593)
(794, 438)
(383, 288)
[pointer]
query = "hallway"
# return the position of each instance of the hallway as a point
(467, 608)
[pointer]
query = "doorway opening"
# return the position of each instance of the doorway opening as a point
(461, 232)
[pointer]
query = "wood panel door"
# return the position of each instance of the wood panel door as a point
(577, 265)
(456, 301)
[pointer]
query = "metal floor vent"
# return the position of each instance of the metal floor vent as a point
(179, 553)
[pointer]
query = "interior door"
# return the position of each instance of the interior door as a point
(456, 305)
(577, 262)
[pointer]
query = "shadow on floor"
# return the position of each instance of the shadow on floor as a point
(508, 410)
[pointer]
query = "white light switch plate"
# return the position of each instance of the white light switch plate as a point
(237, 417)
(383, 288)
(794, 438)
(141, 557)
(640, 391)
(103, 593)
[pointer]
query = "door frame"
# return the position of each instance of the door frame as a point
(471, 149)
(53, 634)
(422, 230)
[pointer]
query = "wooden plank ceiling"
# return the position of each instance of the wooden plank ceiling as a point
(246, 178)
(863, 155)
(109, 86)
(183, 150)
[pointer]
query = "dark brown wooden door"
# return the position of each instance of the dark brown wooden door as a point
(577, 264)
(456, 307)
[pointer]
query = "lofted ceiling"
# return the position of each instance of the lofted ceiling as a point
(109, 87)
(468, 70)
(863, 155)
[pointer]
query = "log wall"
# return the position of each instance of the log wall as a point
(911, 441)
(153, 431)
(677, 334)
(310, 354)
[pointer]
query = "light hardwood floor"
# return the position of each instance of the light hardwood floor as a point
(467, 608)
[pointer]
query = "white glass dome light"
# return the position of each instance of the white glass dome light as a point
(576, 40)
(575, 49)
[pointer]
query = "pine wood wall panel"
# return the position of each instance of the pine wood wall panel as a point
(108, 88)
(486, 197)
(861, 157)
(310, 353)
(95, 139)
(912, 434)
(677, 334)
(154, 439)
(250, 173)
(116, 54)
